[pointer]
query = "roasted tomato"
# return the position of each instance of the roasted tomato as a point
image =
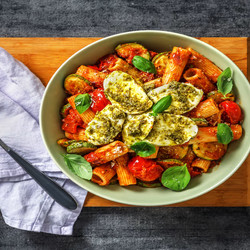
(231, 112)
(99, 100)
(71, 122)
(144, 169)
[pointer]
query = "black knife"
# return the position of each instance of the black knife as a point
(52, 188)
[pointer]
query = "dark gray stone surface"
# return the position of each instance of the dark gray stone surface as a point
(143, 228)
(133, 228)
(101, 18)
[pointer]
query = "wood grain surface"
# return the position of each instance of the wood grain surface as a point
(44, 55)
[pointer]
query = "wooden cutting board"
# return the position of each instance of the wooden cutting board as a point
(44, 55)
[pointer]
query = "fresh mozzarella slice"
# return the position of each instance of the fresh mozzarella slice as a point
(106, 125)
(122, 90)
(136, 128)
(170, 130)
(185, 96)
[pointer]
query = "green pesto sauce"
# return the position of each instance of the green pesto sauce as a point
(173, 129)
(106, 125)
(183, 97)
(127, 94)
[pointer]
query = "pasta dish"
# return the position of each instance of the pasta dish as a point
(139, 117)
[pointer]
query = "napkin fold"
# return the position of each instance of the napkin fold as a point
(23, 203)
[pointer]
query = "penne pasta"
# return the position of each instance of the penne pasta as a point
(196, 77)
(125, 178)
(209, 134)
(201, 62)
(176, 64)
(201, 164)
(94, 76)
(103, 174)
(87, 116)
(205, 109)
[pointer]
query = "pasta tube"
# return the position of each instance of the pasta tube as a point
(176, 64)
(201, 62)
(209, 134)
(196, 77)
(201, 164)
(103, 174)
(125, 177)
(205, 109)
(123, 66)
(94, 76)
(107, 153)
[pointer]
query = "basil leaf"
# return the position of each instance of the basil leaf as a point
(82, 102)
(161, 105)
(176, 178)
(78, 165)
(225, 81)
(224, 133)
(143, 64)
(143, 148)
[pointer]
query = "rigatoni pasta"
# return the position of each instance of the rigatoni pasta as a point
(201, 62)
(176, 64)
(94, 76)
(202, 164)
(205, 109)
(103, 174)
(121, 65)
(198, 79)
(124, 176)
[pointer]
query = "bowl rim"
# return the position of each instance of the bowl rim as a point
(178, 200)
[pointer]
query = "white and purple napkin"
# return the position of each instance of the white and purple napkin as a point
(23, 203)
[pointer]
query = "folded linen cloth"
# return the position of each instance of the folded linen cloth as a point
(23, 203)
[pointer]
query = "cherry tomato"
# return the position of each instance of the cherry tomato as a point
(144, 169)
(231, 112)
(99, 100)
(71, 122)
